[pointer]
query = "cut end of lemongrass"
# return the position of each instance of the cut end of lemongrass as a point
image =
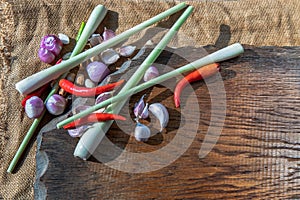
(81, 152)
(228, 52)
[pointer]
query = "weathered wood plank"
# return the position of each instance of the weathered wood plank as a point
(257, 154)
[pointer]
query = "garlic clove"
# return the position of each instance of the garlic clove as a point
(89, 83)
(151, 73)
(67, 56)
(79, 108)
(145, 113)
(97, 71)
(161, 113)
(102, 97)
(77, 132)
(126, 51)
(109, 56)
(95, 39)
(121, 70)
(107, 34)
(139, 107)
(64, 38)
(141, 132)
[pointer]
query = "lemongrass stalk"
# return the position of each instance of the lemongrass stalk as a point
(218, 56)
(83, 35)
(34, 81)
(93, 136)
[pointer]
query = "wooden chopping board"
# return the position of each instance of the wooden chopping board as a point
(256, 156)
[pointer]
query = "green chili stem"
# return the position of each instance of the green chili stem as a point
(93, 22)
(80, 31)
(89, 141)
(33, 82)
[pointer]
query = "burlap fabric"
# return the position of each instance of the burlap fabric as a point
(24, 22)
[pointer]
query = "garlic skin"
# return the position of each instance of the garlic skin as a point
(109, 56)
(151, 73)
(107, 34)
(126, 51)
(141, 132)
(161, 113)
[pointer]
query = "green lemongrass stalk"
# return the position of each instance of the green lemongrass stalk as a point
(80, 31)
(33, 82)
(83, 35)
(93, 136)
(218, 56)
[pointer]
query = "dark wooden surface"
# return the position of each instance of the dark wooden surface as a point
(256, 157)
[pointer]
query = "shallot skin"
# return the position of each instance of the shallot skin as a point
(52, 43)
(56, 104)
(50, 47)
(34, 107)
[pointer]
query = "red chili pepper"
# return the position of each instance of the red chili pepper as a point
(199, 74)
(86, 92)
(94, 117)
(37, 93)
(59, 61)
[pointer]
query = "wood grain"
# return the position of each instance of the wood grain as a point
(256, 157)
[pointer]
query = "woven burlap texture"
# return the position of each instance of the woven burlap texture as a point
(24, 22)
